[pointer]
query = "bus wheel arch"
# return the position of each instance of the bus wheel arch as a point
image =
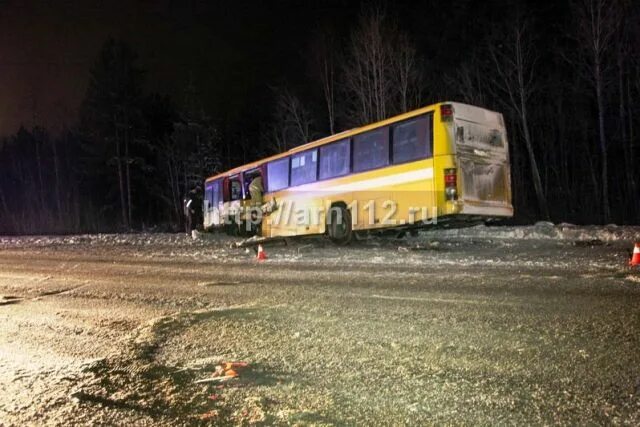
(339, 227)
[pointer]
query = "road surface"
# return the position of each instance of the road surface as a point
(442, 328)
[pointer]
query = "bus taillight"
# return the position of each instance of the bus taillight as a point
(451, 184)
(446, 112)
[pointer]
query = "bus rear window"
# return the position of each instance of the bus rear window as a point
(412, 140)
(304, 167)
(278, 174)
(335, 159)
(371, 150)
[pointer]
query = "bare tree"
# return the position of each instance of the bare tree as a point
(275, 138)
(514, 66)
(380, 75)
(7, 214)
(405, 66)
(364, 68)
(468, 83)
(324, 63)
(121, 186)
(110, 109)
(597, 25)
(292, 122)
(56, 170)
(625, 50)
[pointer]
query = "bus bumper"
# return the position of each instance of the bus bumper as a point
(460, 207)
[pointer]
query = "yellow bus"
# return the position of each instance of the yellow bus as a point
(442, 164)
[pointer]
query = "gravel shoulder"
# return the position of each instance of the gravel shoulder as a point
(515, 325)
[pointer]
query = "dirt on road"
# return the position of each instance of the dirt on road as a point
(532, 325)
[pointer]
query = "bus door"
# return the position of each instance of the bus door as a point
(215, 205)
(248, 178)
(234, 195)
(207, 205)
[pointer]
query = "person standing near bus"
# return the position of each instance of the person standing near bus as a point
(192, 210)
(256, 190)
(188, 213)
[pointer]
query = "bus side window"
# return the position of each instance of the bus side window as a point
(335, 159)
(371, 150)
(246, 180)
(278, 174)
(304, 167)
(235, 189)
(249, 177)
(225, 195)
(411, 140)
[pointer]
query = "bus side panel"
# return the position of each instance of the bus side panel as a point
(377, 199)
(296, 213)
(415, 201)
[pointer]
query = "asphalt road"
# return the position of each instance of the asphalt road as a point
(118, 329)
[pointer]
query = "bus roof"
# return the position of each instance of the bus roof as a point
(326, 140)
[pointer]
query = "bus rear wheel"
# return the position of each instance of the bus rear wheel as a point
(339, 227)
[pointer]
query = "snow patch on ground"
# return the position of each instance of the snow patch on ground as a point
(592, 247)
(125, 239)
(543, 231)
(538, 231)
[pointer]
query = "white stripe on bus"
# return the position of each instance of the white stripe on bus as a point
(369, 184)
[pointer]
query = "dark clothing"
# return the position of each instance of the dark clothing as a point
(188, 224)
(192, 211)
(255, 190)
(196, 207)
(188, 215)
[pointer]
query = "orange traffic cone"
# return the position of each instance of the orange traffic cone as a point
(262, 255)
(235, 365)
(635, 258)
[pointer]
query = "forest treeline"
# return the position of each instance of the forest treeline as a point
(569, 88)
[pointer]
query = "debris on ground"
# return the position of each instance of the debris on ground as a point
(215, 379)
(210, 415)
(588, 243)
(503, 314)
(225, 371)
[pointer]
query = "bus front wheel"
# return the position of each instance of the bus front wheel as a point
(340, 228)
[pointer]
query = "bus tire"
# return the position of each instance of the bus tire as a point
(340, 233)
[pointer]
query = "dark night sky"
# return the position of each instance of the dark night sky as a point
(225, 48)
(231, 51)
